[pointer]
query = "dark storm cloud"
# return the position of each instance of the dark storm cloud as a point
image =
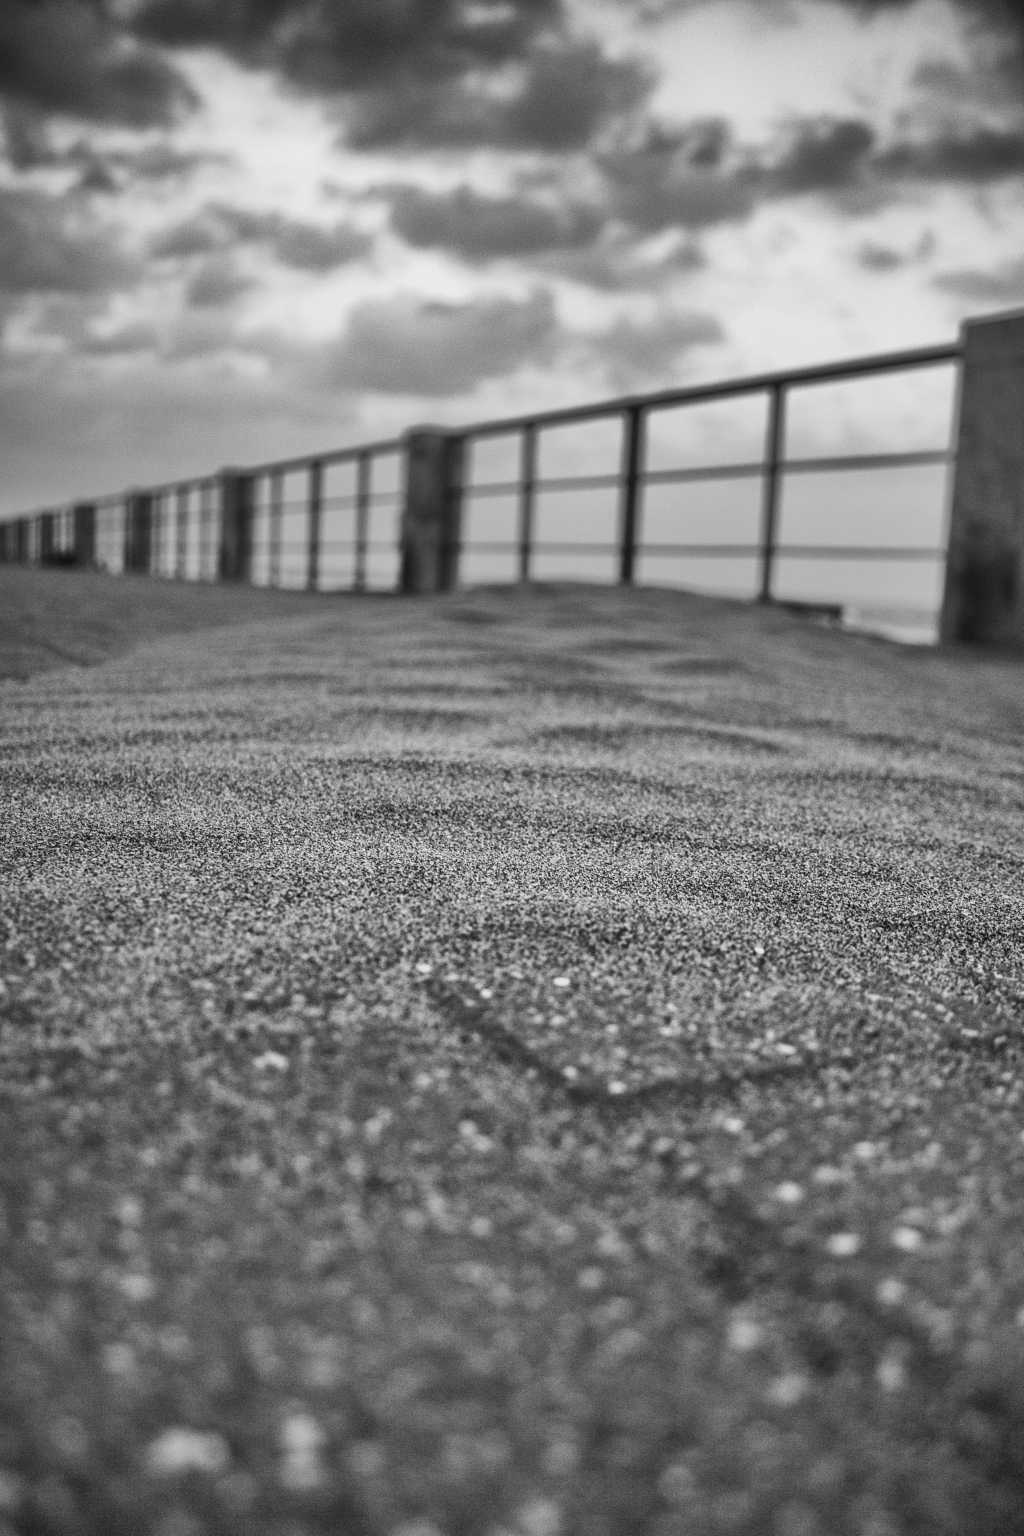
(293, 242)
(42, 252)
(218, 281)
(421, 73)
(677, 177)
(125, 341)
(875, 257)
(632, 352)
(67, 57)
(406, 345)
(618, 264)
(693, 180)
(972, 157)
(163, 162)
(481, 228)
(1003, 284)
(327, 47)
(196, 236)
(26, 140)
(879, 258)
(563, 95)
(824, 154)
(695, 177)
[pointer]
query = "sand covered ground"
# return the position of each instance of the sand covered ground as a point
(531, 1063)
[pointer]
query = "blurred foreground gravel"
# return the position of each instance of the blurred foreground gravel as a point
(538, 1064)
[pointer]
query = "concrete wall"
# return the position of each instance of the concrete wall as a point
(138, 532)
(983, 600)
(234, 561)
(432, 515)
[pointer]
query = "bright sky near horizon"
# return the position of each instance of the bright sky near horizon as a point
(236, 231)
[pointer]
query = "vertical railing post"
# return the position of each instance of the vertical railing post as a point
(527, 496)
(633, 423)
(47, 525)
(773, 458)
(274, 515)
(983, 593)
(235, 552)
(316, 495)
(138, 532)
(83, 533)
(207, 532)
(431, 524)
(363, 471)
(181, 562)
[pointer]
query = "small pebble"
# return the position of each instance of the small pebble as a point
(890, 1291)
(538, 1516)
(788, 1193)
(137, 1287)
(744, 1334)
(271, 1061)
(907, 1239)
(789, 1389)
(180, 1450)
(561, 981)
(843, 1245)
(890, 1373)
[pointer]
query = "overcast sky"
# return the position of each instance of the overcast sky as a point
(230, 231)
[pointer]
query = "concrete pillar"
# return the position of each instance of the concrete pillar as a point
(83, 536)
(983, 601)
(432, 515)
(21, 540)
(234, 560)
(47, 537)
(138, 532)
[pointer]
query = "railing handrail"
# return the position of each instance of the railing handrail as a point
(689, 394)
(695, 394)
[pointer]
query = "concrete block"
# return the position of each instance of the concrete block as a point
(138, 532)
(234, 560)
(83, 534)
(47, 523)
(431, 532)
(983, 600)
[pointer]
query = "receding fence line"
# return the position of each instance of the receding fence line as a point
(206, 527)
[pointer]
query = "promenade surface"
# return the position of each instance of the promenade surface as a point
(541, 1062)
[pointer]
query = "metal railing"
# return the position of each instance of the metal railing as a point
(633, 477)
(183, 532)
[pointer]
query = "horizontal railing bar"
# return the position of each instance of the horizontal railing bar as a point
(842, 462)
(578, 483)
(722, 551)
(860, 552)
(703, 472)
(331, 456)
(697, 472)
(331, 503)
(493, 488)
(795, 378)
(569, 548)
(718, 551)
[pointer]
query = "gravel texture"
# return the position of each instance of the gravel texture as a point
(536, 1063)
